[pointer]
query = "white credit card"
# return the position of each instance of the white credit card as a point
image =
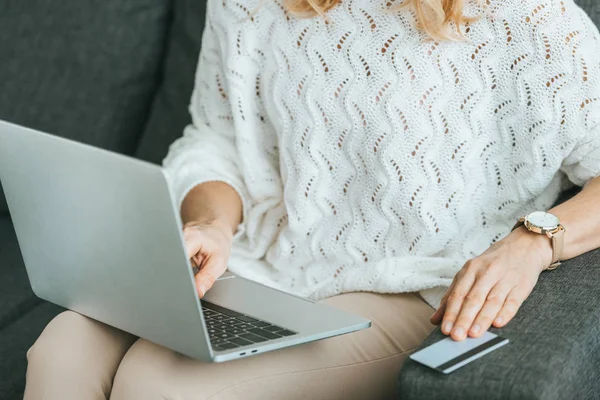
(448, 355)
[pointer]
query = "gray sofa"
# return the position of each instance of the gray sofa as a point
(118, 74)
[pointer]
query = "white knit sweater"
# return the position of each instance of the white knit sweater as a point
(370, 159)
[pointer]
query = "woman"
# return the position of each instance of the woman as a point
(348, 158)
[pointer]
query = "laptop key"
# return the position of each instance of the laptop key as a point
(240, 341)
(220, 309)
(286, 332)
(217, 341)
(253, 338)
(226, 346)
(272, 328)
(226, 324)
(263, 333)
(246, 318)
(234, 331)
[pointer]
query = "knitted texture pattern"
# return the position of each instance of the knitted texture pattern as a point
(369, 158)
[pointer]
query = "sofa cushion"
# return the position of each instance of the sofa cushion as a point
(16, 296)
(592, 7)
(15, 340)
(554, 348)
(3, 205)
(169, 113)
(85, 70)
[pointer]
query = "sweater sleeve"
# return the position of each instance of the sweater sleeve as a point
(581, 44)
(583, 163)
(207, 150)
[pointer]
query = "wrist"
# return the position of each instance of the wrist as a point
(218, 223)
(213, 203)
(541, 245)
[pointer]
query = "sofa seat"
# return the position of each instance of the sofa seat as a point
(554, 349)
(15, 340)
(16, 297)
(22, 315)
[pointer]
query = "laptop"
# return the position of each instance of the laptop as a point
(101, 235)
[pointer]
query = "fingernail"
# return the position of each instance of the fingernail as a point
(475, 328)
(498, 320)
(448, 327)
(459, 331)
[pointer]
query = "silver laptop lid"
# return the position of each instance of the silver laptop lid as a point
(100, 235)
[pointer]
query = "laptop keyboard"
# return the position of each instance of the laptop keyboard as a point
(228, 329)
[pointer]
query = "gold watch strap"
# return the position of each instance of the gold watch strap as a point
(558, 242)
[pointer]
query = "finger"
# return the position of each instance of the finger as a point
(436, 318)
(511, 305)
(198, 260)
(193, 244)
(195, 268)
(193, 239)
(474, 301)
(464, 282)
(212, 268)
(491, 308)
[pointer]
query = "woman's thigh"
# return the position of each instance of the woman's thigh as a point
(360, 365)
(75, 357)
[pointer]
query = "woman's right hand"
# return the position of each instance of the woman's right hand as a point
(208, 246)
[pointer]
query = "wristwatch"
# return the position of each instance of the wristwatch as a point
(547, 224)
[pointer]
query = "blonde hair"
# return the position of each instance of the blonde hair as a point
(435, 17)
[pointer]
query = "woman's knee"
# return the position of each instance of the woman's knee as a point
(74, 349)
(146, 372)
(54, 344)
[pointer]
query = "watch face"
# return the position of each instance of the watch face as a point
(543, 220)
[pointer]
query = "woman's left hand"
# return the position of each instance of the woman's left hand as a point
(490, 288)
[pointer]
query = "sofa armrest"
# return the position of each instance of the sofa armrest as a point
(554, 349)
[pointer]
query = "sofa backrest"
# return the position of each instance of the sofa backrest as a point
(592, 8)
(86, 70)
(170, 113)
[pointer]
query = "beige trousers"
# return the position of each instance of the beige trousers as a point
(82, 359)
